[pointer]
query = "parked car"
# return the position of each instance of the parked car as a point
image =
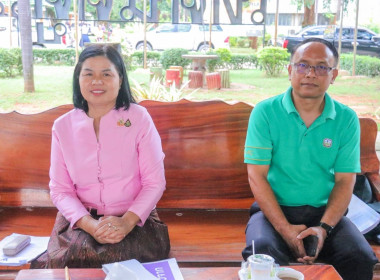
(368, 42)
(183, 35)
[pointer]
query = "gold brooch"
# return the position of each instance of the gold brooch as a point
(126, 123)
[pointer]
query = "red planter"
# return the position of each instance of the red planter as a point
(196, 79)
(213, 81)
(173, 76)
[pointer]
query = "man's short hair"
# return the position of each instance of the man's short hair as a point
(318, 40)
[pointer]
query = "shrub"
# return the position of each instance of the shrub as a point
(54, 56)
(10, 62)
(273, 60)
(174, 57)
(364, 65)
(153, 58)
(243, 42)
(223, 60)
(224, 54)
(233, 41)
(211, 64)
(243, 61)
(267, 40)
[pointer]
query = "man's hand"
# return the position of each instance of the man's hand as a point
(290, 235)
(321, 234)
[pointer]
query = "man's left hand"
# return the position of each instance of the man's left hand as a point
(321, 234)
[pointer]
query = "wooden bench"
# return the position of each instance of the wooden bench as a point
(207, 198)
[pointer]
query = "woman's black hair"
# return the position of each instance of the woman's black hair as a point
(124, 98)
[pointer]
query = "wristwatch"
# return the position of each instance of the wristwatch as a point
(326, 227)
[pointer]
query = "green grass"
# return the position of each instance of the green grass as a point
(52, 84)
(53, 88)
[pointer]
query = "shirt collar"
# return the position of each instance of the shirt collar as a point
(328, 111)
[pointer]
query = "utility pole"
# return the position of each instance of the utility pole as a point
(276, 23)
(145, 35)
(340, 33)
(355, 37)
(10, 23)
(76, 31)
(210, 26)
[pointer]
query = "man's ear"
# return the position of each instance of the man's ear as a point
(289, 71)
(334, 75)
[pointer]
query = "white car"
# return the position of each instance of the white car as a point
(183, 35)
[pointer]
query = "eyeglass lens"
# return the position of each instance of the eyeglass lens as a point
(319, 70)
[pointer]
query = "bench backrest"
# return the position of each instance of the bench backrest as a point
(203, 143)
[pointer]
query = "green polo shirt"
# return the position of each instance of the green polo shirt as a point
(302, 161)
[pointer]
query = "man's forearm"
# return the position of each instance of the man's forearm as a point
(339, 198)
(268, 203)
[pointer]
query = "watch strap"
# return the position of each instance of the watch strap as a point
(326, 227)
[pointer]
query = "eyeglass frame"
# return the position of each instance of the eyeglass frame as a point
(329, 69)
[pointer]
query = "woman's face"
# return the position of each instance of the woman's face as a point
(99, 82)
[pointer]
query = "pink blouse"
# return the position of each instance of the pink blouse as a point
(122, 171)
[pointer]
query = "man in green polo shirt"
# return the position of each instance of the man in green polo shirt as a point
(302, 152)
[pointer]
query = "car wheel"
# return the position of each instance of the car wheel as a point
(204, 48)
(140, 46)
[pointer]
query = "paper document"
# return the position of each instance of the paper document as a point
(133, 265)
(363, 216)
(165, 269)
(37, 246)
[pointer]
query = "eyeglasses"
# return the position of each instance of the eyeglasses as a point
(320, 70)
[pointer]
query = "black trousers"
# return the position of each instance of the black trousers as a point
(346, 248)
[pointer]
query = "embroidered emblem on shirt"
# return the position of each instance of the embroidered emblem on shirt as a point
(327, 143)
(126, 123)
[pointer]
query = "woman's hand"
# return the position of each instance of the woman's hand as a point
(112, 229)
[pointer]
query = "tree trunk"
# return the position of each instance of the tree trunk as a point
(337, 14)
(309, 15)
(24, 17)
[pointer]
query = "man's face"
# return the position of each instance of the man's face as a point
(309, 84)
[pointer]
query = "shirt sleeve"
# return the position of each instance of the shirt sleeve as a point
(151, 164)
(348, 158)
(62, 189)
(258, 144)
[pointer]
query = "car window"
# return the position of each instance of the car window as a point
(166, 28)
(206, 27)
(315, 31)
(364, 35)
(346, 33)
(184, 27)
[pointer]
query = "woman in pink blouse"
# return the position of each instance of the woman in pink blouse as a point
(106, 173)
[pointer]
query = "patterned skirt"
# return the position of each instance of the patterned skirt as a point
(76, 248)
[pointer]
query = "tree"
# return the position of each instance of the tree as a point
(309, 13)
(309, 9)
(25, 19)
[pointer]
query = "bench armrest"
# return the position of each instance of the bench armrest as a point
(374, 180)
